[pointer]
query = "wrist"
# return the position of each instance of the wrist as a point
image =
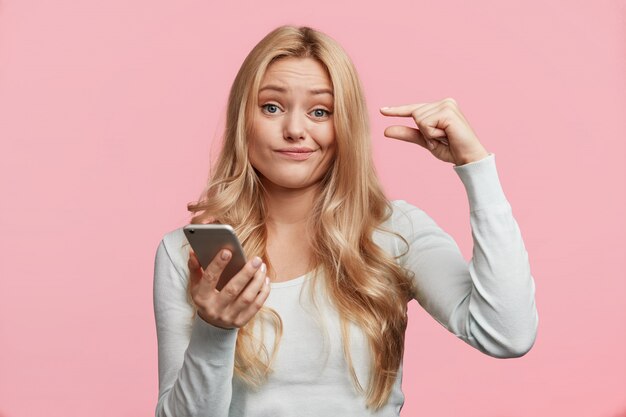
(472, 158)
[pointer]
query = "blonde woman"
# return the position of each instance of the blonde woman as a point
(314, 324)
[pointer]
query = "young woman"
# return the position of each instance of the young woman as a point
(314, 323)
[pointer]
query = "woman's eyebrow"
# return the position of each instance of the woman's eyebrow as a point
(314, 91)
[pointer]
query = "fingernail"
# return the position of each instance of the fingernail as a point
(431, 145)
(267, 280)
(256, 262)
(225, 255)
(385, 108)
(263, 268)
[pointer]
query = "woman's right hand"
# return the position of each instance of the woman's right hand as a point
(238, 301)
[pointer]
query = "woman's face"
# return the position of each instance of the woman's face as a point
(292, 143)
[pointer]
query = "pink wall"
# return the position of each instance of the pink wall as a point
(107, 115)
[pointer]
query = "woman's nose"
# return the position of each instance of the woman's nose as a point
(294, 126)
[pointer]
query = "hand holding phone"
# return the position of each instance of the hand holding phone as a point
(242, 295)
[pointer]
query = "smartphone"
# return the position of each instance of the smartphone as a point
(207, 240)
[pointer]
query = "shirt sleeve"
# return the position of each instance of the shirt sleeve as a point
(195, 358)
(489, 302)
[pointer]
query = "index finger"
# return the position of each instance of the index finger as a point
(238, 282)
(403, 110)
(206, 279)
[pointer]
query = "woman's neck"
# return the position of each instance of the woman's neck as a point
(288, 242)
(288, 207)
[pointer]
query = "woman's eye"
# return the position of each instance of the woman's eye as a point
(269, 106)
(324, 112)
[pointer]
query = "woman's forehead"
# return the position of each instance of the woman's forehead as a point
(288, 74)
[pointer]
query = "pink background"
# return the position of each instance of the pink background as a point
(109, 114)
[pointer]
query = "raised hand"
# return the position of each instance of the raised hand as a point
(441, 128)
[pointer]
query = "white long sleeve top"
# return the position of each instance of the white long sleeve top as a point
(488, 303)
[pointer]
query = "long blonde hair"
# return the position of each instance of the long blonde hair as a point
(366, 285)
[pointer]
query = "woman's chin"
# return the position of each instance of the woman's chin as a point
(289, 183)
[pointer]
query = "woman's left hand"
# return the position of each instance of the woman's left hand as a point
(442, 124)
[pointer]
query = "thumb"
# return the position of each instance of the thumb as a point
(195, 270)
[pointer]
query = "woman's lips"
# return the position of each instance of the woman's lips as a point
(298, 156)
